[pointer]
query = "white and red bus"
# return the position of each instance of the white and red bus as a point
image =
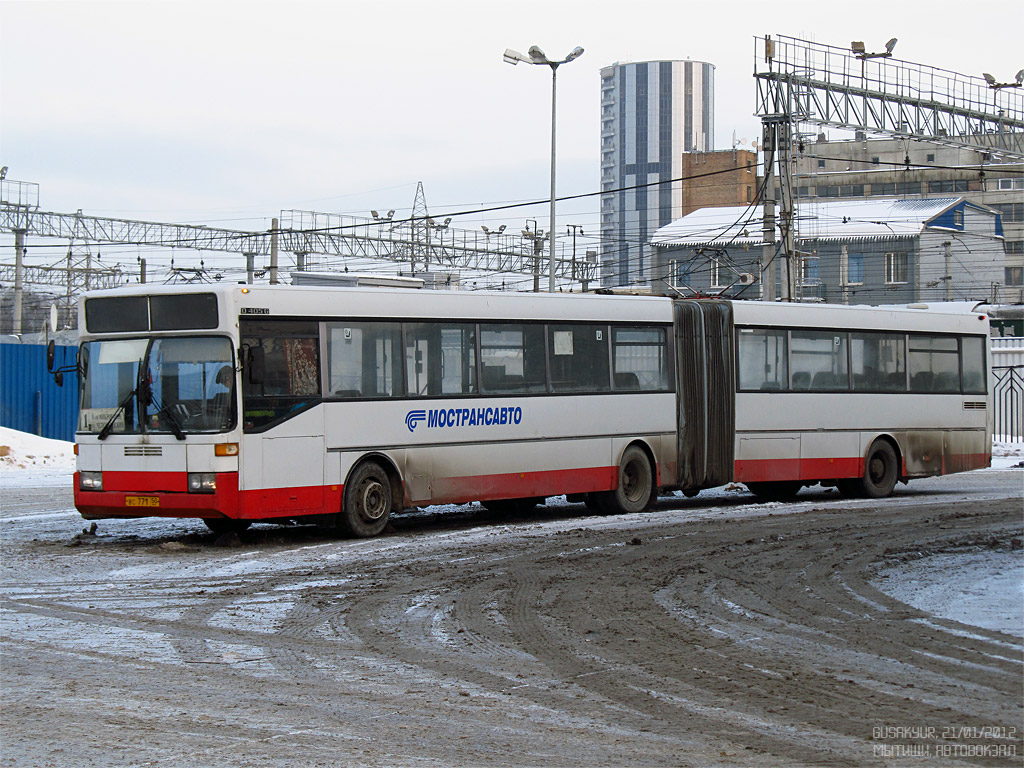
(341, 405)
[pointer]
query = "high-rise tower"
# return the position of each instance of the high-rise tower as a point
(651, 113)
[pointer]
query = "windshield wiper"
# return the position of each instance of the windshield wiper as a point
(172, 422)
(105, 432)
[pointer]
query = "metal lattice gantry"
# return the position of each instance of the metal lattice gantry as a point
(823, 85)
(417, 239)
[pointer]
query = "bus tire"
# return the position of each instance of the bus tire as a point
(226, 524)
(635, 491)
(367, 501)
(778, 490)
(881, 471)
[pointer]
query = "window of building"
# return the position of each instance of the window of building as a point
(716, 272)
(821, 163)
(1010, 211)
(1014, 275)
(1017, 183)
(1014, 246)
(679, 274)
(855, 269)
(762, 360)
(958, 218)
(930, 157)
(883, 189)
(874, 161)
(908, 188)
(896, 267)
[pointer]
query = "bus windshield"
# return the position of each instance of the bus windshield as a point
(175, 385)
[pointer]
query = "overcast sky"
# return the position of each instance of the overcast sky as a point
(227, 112)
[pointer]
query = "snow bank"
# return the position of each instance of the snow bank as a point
(20, 450)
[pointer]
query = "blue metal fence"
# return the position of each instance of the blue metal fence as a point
(30, 401)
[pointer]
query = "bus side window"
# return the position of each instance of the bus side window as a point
(440, 358)
(364, 359)
(762, 360)
(579, 358)
(822, 356)
(879, 362)
(639, 360)
(512, 358)
(290, 376)
(972, 362)
(934, 363)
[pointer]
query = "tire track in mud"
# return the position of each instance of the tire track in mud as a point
(758, 638)
(781, 625)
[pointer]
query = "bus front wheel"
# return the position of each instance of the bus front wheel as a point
(366, 506)
(635, 491)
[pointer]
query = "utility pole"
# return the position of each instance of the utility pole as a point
(573, 229)
(19, 278)
(948, 277)
(768, 214)
(273, 251)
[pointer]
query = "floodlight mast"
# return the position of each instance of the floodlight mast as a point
(537, 56)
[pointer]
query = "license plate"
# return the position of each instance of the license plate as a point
(142, 501)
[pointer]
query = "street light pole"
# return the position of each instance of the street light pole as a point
(537, 56)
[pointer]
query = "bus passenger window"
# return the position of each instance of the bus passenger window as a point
(934, 363)
(364, 359)
(511, 358)
(972, 362)
(879, 362)
(821, 355)
(762, 360)
(579, 358)
(281, 370)
(440, 359)
(638, 358)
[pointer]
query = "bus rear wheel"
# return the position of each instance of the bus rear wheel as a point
(881, 471)
(367, 502)
(635, 491)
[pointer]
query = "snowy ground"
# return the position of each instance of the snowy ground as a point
(713, 631)
(984, 589)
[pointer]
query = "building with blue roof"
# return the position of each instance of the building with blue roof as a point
(868, 251)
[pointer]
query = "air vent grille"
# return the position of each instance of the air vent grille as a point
(974, 405)
(143, 450)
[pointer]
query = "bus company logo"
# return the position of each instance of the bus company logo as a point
(412, 418)
(463, 417)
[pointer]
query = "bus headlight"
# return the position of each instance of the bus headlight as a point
(202, 482)
(90, 481)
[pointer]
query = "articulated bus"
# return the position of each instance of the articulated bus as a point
(342, 405)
